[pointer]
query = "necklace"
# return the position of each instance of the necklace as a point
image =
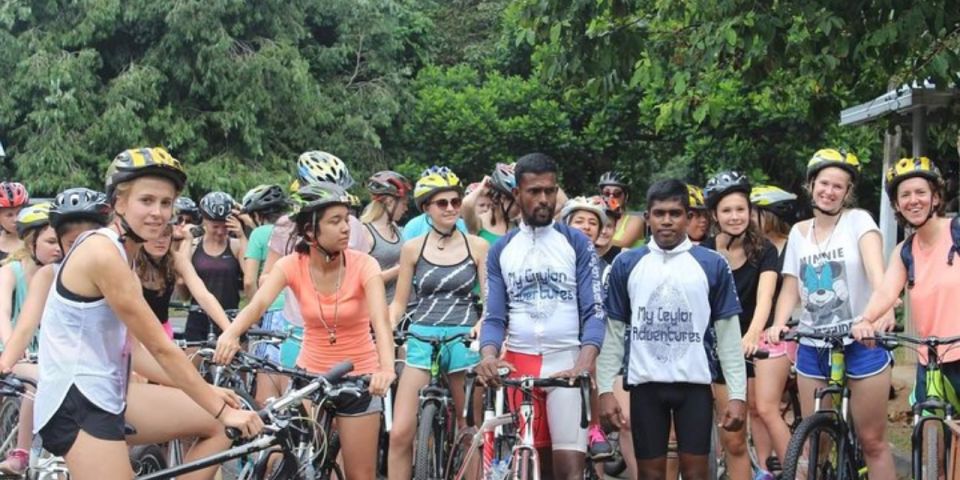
(331, 332)
(442, 241)
(813, 233)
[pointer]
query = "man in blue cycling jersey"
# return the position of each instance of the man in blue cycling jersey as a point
(674, 304)
(544, 298)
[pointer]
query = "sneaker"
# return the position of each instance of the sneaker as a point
(597, 445)
(16, 463)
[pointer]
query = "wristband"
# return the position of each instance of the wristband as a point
(217, 416)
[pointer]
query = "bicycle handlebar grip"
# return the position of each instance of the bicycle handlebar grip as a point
(338, 371)
(234, 433)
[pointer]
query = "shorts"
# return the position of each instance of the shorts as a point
(198, 327)
(168, 329)
(652, 405)
(78, 413)
(275, 322)
(776, 351)
(454, 356)
(290, 348)
(861, 362)
(718, 376)
(556, 410)
(349, 405)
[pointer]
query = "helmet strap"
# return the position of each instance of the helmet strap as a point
(328, 255)
(442, 241)
(128, 232)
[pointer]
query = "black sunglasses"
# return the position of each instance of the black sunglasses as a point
(444, 203)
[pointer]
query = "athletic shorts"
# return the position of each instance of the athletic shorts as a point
(776, 351)
(454, 356)
(78, 413)
(274, 322)
(652, 405)
(349, 405)
(556, 410)
(290, 348)
(198, 327)
(861, 362)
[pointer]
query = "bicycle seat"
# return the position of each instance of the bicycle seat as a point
(129, 430)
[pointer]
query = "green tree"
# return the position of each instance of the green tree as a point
(232, 88)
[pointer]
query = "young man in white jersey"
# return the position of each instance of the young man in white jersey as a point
(672, 303)
(544, 298)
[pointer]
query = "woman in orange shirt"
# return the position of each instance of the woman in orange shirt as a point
(341, 295)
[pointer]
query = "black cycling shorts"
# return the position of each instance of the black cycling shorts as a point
(78, 413)
(653, 405)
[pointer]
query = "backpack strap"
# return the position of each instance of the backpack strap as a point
(955, 235)
(906, 256)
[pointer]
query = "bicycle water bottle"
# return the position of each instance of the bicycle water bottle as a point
(763, 475)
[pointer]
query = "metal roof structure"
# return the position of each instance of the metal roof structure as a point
(905, 99)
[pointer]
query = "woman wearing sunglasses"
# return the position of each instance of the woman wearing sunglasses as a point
(630, 231)
(442, 267)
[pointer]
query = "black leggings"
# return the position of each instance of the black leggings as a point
(653, 405)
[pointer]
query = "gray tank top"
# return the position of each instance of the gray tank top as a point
(82, 343)
(445, 292)
(387, 254)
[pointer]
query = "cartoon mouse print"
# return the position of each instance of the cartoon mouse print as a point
(827, 294)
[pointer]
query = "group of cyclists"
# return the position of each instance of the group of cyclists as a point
(664, 309)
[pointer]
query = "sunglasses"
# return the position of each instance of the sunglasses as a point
(612, 193)
(444, 203)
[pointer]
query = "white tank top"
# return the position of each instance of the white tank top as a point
(82, 343)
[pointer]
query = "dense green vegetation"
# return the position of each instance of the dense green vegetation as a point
(236, 89)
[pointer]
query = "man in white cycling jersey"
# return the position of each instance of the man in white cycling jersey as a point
(544, 298)
(675, 305)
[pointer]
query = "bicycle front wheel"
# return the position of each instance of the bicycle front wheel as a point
(932, 463)
(814, 450)
(428, 464)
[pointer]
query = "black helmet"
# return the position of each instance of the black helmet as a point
(216, 206)
(612, 179)
(185, 206)
(388, 182)
(76, 204)
(723, 184)
(264, 198)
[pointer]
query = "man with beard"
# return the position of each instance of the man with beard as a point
(544, 298)
(677, 302)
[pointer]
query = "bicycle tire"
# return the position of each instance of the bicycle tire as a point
(820, 422)
(931, 450)
(284, 468)
(429, 446)
(9, 423)
(146, 459)
(458, 453)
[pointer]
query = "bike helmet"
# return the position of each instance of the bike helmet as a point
(503, 179)
(316, 196)
(829, 157)
(696, 197)
(433, 181)
(79, 204)
(33, 216)
(316, 166)
(185, 206)
(906, 168)
(13, 195)
(723, 184)
(263, 198)
(388, 182)
(216, 206)
(594, 205)
(612, 179)
(775, 199)
(138, 162)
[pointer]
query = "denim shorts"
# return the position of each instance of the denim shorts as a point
(454, 356)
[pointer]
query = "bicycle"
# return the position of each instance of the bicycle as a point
(283, 431)
(930, 430)
(845, 460)
(523, 461)
(436, 421)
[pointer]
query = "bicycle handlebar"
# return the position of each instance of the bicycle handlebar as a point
(326, 381)
(528, 383)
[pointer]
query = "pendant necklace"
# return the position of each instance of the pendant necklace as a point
(331, 332)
